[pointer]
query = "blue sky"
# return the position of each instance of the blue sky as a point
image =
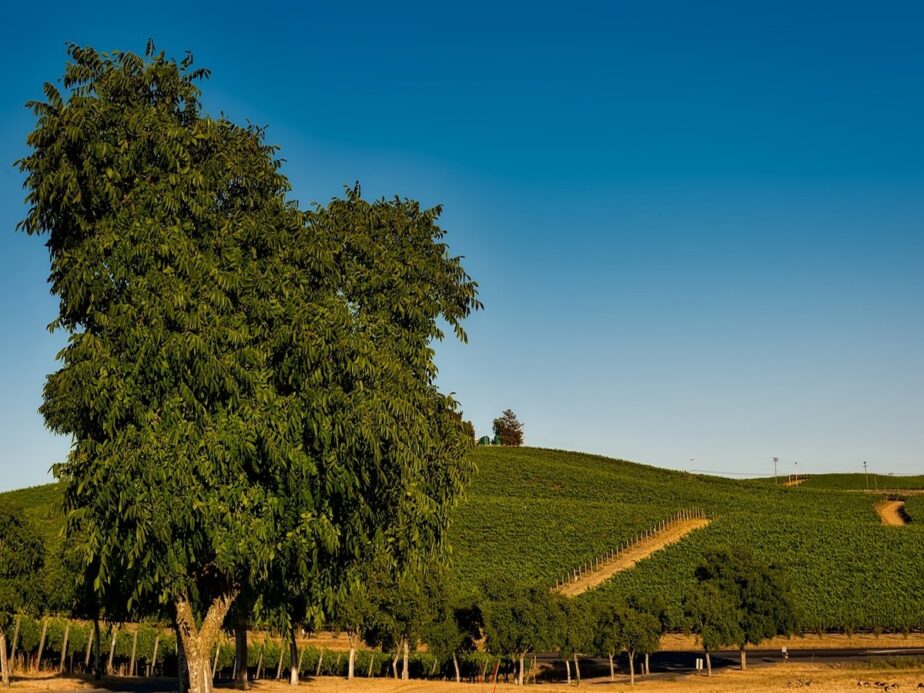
(698, 227)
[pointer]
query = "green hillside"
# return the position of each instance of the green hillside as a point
(861, 482)
(536, 514)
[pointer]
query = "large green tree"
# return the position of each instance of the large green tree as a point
(250, 388)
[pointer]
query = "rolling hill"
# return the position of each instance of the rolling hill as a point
(537, 514)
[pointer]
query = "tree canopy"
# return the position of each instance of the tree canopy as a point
(249, 387)
(508, 428)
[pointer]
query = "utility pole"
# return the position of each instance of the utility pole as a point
(775, 461)
(865, 475)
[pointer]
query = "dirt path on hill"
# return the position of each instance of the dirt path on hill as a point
(628, 558)
(892, 512)
(793, 482)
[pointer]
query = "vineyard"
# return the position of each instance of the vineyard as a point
(542, 514)
(862, 482)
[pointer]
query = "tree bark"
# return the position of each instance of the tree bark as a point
(293, 658)
(97, 655)
(577, 669)
(612, 668)
(38, 658)
(67, 632)
(131, 666)
(568, 669)
(198, 642)
(394, 665)
(708, 664)
(240, 651)
(4, 665)
(647, 664)
(405, 672)
(182, 671)
(632, 667)
(351, 662)
(744, 659)
(112, 646)
(455, 665)
(15, 642)
(520, 677)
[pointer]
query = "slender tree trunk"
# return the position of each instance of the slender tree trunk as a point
(371, 664)
(522, 670)
(256, 674)
(455, 665)
(394, 664)
(97, 655)
(182, 671)
(154, 655)
(647, 664)
(612, 668)
(131, 666)
(112, 646)
(198, 641)
(405, 671)
(282, 651)
(577, 669)
(708, 664)
(240, 651)
(632, 667)
(351, 662)
(744, 659)
(15, 642)
(67, 632)
(568, 669)
(293, 658)
(38, 659)
(4, 664)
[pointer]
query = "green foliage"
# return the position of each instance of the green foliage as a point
(22, 558)
(760, 594)
(860, 482)
(710, 613)
(573, 627)
(518, 618)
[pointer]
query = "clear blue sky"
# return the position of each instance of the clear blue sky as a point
(698, 227)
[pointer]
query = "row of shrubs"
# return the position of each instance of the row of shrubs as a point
(263, 654)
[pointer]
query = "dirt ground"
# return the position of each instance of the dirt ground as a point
(783, 677)
(890, 512)
(628, 558)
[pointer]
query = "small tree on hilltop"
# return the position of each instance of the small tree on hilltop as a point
(22, 558)
(509, 429)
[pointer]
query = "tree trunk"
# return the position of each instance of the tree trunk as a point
(256, 674)
(154, 655)
(632, 667)
(405, 672)
(371, 664)
(15, 642)
(182, 671)
(455, 665)
(38, 659)
(568, 669)
(97, 655)
(293, 658)
(282, 652)
(744, 659)
(647, 664)
(240, 651)
(612, 668)
(4, 665)
(351, 662)
(577, 669)
(112, 646)
(198, 642)
(67, 632)
(131, 666)
(708, 664)
(86, 659)
(520, 677)
(394, 665)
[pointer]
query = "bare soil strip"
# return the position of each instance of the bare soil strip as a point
(628, 558)
(892, 512)
(793, 482)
